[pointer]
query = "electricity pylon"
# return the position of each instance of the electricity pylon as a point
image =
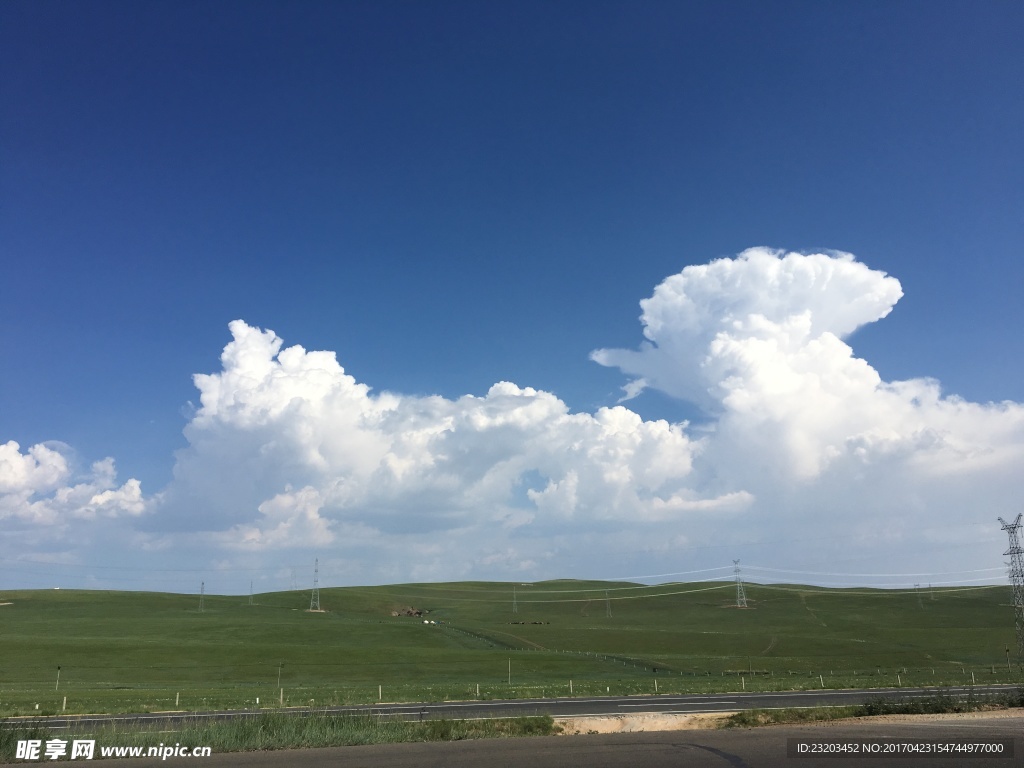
(741, 595)
(1016, 553)
(314, 601)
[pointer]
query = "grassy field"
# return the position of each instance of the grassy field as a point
(133, 651)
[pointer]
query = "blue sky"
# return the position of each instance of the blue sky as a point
(451, 195)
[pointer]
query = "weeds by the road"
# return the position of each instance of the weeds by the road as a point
(940, 703)
(284, 731)
(13, 732)
(752, 717)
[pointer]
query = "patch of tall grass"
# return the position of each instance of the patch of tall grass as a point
(749, 718)
(273, 730)
(942, 702)
(11, 732)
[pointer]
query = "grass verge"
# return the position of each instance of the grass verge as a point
(270, 731)
(753, 717)
(940, 703)
(12, 733)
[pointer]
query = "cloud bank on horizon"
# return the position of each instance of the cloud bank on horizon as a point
(288, 452)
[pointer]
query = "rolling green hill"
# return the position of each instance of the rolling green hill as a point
(147, 651)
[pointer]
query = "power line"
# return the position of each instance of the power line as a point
(868, 591)
(566, 599)
(868, 575)
(899, 584)
(674, 573)
(632, 597)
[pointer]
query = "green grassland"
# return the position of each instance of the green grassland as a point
(135, 651)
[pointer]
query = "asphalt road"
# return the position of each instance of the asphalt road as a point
(568, 707)
(766, 747)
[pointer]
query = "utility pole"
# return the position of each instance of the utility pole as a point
(741, 595)
(250, 591)
(1016, 553)
(202, 594)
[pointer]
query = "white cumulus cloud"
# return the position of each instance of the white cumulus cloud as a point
(812, 431)
(368, 465)
(39, 487)
(39, 469)
(807, 456)
(764, 298)
(758, 341)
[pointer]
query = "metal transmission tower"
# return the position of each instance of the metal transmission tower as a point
(1016, 553)
(515, 602)
(607, 605)
(741, 596)
(314, 601)
(202, 594)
